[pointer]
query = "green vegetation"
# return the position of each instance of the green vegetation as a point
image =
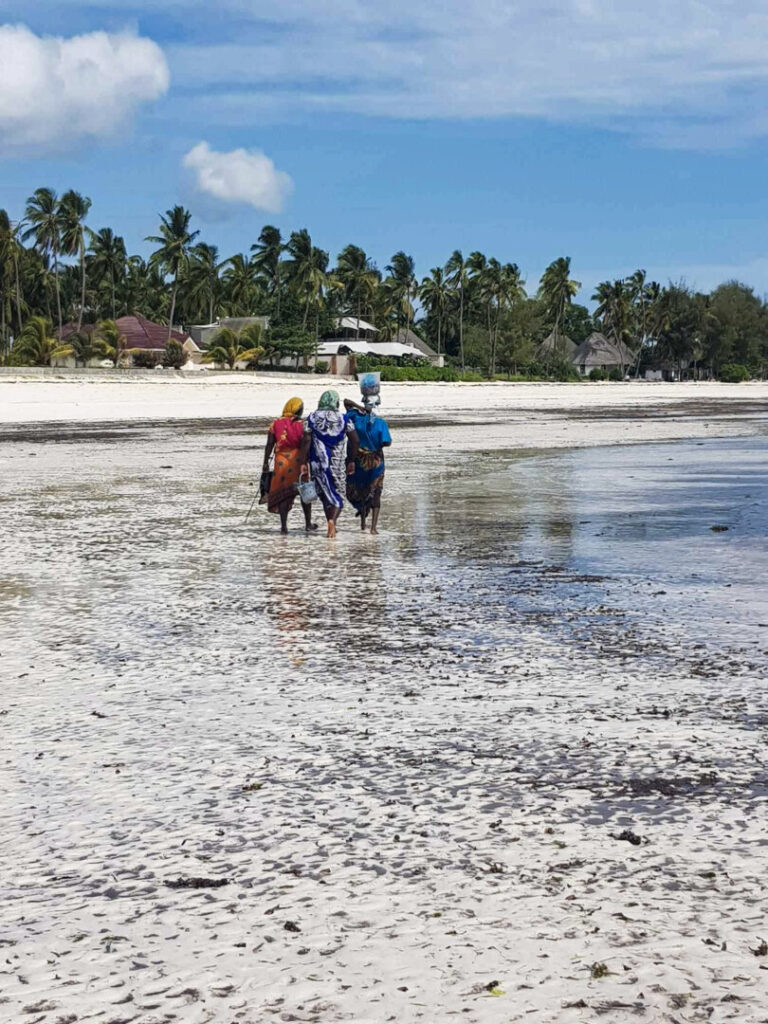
(229, 347)
(734, 373)
(474, 310)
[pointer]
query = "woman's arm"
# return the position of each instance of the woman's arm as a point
(306, 441)
(268, 450)
(353, 446)
(349, 404)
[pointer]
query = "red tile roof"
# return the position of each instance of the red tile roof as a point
(137, 330)
(142, 333)
(68, 329)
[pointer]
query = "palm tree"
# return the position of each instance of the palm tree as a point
(433, 293)
(73, 209)
(110, 342)
(203, 277)
(484, 277)
(503, 287)
(359, 278)
(144, 289)
(107, 259)
(230, 348)
(81, 345)
(175, 241)
(457, 269)
(557, 292)
(615, 311)
(402, 285)
(267, 255)
(9, 266)
(36, 345)
(43, 214)
(307, 269)
(240, 284)
(644, 296)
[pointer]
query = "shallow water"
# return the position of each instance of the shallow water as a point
(418, 747)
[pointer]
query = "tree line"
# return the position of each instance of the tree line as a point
(55, 269)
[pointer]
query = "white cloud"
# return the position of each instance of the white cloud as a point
(682, 73)
(56, 92)
(689, 72)
(240, 176)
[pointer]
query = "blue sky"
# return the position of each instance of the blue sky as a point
(619, 137)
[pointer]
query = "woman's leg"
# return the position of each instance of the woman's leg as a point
(284, 508)
(332, 513)
(308, 524)
(375, 503)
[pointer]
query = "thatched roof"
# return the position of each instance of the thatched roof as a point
(558, 345)
(597, 350)
(405, 336)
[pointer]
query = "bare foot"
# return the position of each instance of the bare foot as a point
(374, 531)
(331, 530)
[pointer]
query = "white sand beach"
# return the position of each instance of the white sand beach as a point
(96, 398)
(505, 762)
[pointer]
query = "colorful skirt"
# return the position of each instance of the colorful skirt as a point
(284, 479)
(365, 485)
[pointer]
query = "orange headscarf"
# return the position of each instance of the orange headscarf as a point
(292, 408)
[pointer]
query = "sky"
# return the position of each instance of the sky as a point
(622, 136)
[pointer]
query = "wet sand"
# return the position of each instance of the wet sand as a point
(504, 762)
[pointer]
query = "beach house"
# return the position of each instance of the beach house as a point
(353, 337)
(201, 335)
(600, 353)
(142, 342)
(556, 346)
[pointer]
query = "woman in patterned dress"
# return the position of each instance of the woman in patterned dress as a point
(289, 439)
(330, 433)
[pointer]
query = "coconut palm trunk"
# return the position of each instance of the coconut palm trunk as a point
(173, 304)
(58, 289)
(18, 289)
(461, 324)
(82, 286)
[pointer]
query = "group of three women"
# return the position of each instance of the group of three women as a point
(343, 453)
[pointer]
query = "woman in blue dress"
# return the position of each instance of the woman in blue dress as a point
(365, 484)
(332, 435)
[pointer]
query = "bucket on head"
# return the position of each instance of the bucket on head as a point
(370, 383)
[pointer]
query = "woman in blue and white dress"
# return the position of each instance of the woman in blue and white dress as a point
(329, 459)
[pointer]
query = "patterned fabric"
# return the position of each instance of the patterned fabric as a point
(365, 485)
(284, 479)
(329, 400)
(288, 433)
(326, 455)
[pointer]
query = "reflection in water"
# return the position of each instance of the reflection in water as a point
(323, 587)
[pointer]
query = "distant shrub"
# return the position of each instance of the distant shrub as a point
(146, 360)
(615, 374)
(597, 374)
(321, 367)
(174, 356)
(445, 374)
(734, 373)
